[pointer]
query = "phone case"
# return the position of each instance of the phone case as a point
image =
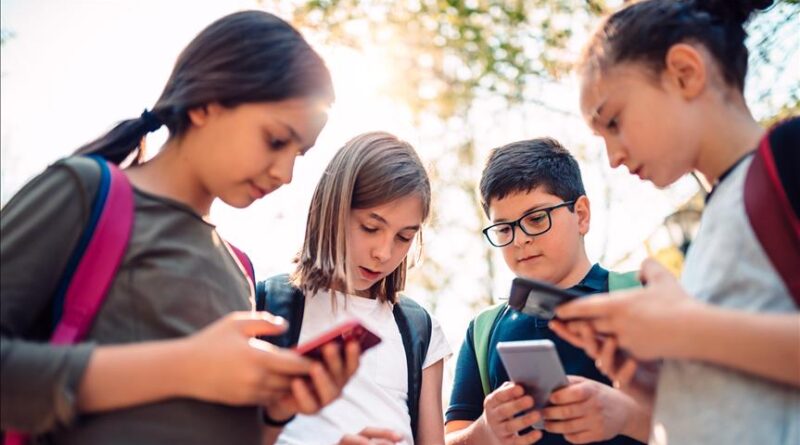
(535, 365)
(341, 334)
(537, 298)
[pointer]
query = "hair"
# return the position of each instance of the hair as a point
(245, 57)
(645, 31)
(522, 166)
(369, 170)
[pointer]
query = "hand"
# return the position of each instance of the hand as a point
(641, 320)
(588, 411)
(498, 419)
(627, 374)
(225, 364)
(372, 436)
(327, 380)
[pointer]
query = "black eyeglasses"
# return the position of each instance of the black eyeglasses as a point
(535, 222)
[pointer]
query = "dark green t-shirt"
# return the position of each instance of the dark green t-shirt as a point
(176, 277)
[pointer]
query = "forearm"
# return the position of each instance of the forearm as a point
(129, 375)
(638, 424)
(459, 433)
(766, 345)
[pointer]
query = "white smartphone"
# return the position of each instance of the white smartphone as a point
(535, 365)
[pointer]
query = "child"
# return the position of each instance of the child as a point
(366, 211)
(731, 369)
(166, 360)
(533, 193)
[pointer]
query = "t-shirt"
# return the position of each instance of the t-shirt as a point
(466, 400)
(377, 395)
(176, 277)
(701, 403)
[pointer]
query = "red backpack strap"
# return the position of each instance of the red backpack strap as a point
(768, 203)
(100, 261)
(246, 265)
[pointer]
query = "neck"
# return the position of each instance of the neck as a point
(170, 174)
(578, 271)
(730, 133)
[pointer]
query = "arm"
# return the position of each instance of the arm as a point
(430, 431)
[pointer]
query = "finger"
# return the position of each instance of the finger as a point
(332, 357)
(279, 360)
(574, 393)
(505, 393)
(587, 436)
(626, 373)
(563, 330)
(253, 324)
(589, 337)
(276, 382)
(304, 398)
(572, 426)
(509, 409)
(605, 362)
(654, 272)
(352, 353)
(566, 412)
(528, 438)
(381, 433)
(324, 386)
(517, 424)
(598, 305)
(350, 439)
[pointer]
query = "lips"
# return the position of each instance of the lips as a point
(368, 274)
(528, 258)
(257, 191)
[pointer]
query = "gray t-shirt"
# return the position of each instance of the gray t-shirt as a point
(700, 403)
(176, 277)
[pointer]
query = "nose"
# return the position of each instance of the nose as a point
(616, 154)
(382, 250)
(283, 167)
(521, 238)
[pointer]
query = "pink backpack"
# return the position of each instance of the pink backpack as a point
(94, 263)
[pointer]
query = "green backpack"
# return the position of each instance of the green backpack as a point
(484, 323)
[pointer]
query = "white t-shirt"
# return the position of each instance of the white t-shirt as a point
(700, 403)
(377, 394)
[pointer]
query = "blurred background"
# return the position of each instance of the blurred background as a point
(454, 78)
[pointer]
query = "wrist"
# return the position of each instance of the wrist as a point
(183, 368)
(637, 423)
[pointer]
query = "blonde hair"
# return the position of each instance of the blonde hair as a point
(369, 170)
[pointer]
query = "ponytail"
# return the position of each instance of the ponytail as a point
(125, 138)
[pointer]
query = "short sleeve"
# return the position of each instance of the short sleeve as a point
(438, 348)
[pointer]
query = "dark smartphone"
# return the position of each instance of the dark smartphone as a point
(537, 298)
(348, 331)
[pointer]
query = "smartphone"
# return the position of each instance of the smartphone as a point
(535, 365)
(537, 298)
(351, 330)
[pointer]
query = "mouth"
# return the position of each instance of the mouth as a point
(258, 192)
(638, 172)
(529, 258)
(368, 274)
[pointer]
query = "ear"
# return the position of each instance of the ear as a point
(685, 69)
(200, 115)
(584, 214)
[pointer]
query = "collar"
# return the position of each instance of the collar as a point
(595, 281)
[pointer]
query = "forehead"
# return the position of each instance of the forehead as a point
(514, 205)
(597, 86)
(400, 213)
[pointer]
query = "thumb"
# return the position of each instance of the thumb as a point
(253, 324)
(653, 272)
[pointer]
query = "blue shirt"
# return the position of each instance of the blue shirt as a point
(466, 400)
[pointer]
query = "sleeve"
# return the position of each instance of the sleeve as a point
(438, 348)
(39, 228)
(466, 400)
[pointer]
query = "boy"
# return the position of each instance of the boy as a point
(533, 193)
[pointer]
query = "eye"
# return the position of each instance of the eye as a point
(404, 239)
(613, 124)
(369, 229)
(502, 230)
(277, 144)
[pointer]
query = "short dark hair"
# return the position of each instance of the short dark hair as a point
(522, 166)
(645, 31)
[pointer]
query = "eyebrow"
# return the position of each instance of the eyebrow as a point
(381, 219)
(597, 112)
(531, 209)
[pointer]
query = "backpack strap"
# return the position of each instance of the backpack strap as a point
(623, 280)
(98, 256)
(482, 328)
(245, 264)
(415, 327)
(770, 201)
(279, 296)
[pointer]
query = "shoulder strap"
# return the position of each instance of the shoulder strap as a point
(623, 280)
(98, 256)
(768, 202)
(245, 264)
(481, 331)
(415, 327)
(279, 296)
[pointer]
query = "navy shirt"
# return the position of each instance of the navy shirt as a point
(466, 400)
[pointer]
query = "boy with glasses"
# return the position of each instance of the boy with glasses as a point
(533, 193)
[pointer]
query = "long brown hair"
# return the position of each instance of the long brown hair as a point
(248, 56)
(370, 170)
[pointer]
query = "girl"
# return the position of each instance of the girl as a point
(731, 363)
(165, 360)
(366, 211)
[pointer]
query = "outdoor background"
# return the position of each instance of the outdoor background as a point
(454, 78)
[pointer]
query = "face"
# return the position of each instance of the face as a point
(550, 256)
(379, 239)
(248, 151)
(647, 125)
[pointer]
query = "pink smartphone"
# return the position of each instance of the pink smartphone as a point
(351, 330)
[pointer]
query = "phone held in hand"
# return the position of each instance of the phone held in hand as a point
(537, 298)
(535, 365)
(351, 330)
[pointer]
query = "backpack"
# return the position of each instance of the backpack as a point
(93, 263)
(280, 297)
(772, 200)
(484, 324)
